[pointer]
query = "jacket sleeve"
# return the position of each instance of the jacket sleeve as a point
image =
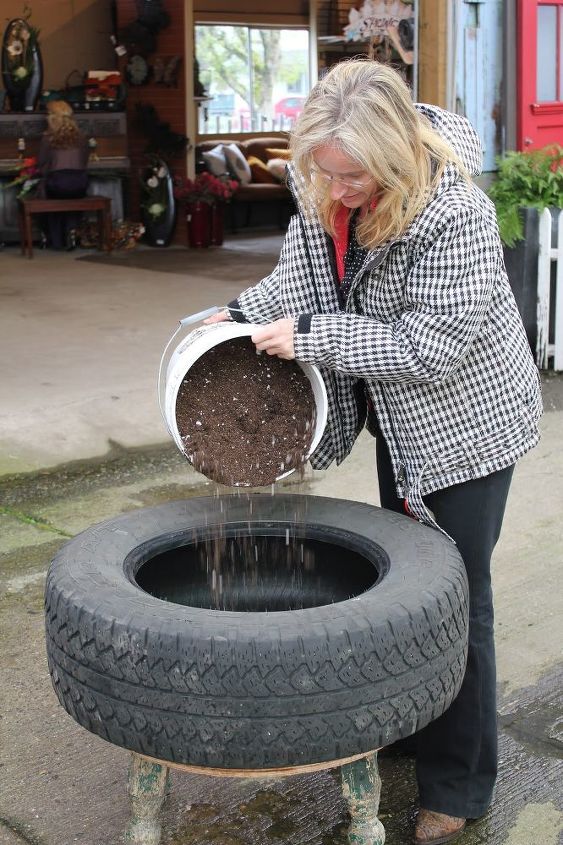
(446, 296)
(261, 303)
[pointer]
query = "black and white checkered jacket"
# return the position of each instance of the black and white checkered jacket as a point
(430, 326)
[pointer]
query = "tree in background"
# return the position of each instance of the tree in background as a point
(223, 56)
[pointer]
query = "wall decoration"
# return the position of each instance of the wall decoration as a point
(22, 67)
(103, 87)
(137, 70)
(161, 139)
(139, 37)
(165, 70)
(386, 23)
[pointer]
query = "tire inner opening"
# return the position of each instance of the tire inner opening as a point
(258, 572)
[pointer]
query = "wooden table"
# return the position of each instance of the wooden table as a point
(28, 207)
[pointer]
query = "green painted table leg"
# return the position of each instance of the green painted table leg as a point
(361, 785)
(146, 784)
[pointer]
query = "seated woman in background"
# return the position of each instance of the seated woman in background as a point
(62, 161)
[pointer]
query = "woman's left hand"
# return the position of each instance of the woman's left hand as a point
(276, 338)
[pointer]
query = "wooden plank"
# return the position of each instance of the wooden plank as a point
(257, 19)
(288, 771)
(248, 8)
(433, 52)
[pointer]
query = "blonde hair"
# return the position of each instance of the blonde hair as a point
(364, 109)
(62, 131)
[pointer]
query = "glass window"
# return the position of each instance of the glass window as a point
(547, 54)
(257, 78)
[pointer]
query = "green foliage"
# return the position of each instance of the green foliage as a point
(224, 60)
(526, 179)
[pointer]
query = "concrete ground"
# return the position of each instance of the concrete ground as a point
(81, 440)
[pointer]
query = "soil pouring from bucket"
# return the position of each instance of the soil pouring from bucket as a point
(245, 419)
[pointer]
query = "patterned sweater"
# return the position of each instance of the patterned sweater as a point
(430, 327)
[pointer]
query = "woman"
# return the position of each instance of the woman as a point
(391, 279)
(63, 162)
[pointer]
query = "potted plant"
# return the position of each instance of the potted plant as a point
(526, 183)
(205, 198)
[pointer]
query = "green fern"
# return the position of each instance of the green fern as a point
(526, 179)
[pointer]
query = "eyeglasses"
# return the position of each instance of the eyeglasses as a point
(321, 179)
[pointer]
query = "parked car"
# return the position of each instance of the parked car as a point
(289, 106)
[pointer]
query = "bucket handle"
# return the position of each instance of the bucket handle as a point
(185, 321)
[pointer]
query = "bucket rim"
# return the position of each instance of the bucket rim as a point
(209, 336)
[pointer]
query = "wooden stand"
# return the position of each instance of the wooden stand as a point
(361, 784)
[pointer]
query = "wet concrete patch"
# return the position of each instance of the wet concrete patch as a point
(26, 567)
(266, 813)
(14, 832)
(16, 534)
(160, 494)
(535, 717)
(294, 811)
(117, 466)
(67, 499)
(120, 468)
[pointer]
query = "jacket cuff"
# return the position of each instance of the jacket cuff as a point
(304, 345)
(236, 312)
(304, 323)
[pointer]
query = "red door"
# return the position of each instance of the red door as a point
(540, 73)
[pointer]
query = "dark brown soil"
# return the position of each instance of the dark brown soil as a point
(245, 418)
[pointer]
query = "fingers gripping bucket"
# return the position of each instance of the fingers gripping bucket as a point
(197, 343)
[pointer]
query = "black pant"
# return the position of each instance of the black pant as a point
(64, 184)
(456, 755)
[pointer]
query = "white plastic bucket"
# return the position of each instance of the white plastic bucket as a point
(198, 342)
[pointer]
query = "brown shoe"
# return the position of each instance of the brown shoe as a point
(436, 828)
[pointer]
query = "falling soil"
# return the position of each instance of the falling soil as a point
(245, 419)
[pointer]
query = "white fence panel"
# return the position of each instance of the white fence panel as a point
(544, 280)
(544, 349)
(558, 353)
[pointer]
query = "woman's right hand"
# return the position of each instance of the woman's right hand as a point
(220, 317)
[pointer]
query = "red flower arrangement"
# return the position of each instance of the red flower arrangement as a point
(27, 178)
(204, 188)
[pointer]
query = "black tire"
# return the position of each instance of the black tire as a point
(252, 690)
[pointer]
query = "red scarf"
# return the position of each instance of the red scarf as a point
(341, 238)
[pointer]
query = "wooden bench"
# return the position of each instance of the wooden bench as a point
(28, 207)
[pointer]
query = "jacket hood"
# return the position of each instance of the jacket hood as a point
(458, 132)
